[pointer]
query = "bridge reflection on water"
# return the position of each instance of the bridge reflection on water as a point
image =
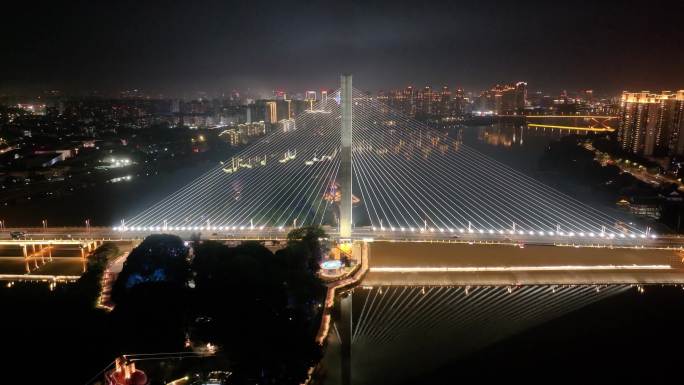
(400, 332)
(422, 306)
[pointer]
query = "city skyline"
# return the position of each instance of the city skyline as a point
(250, 95)
(183, 49)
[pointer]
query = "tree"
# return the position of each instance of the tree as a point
(150, 295)
(305, 242)
(262, 309)
(159, 258)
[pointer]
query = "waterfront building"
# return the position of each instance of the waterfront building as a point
(651, 124)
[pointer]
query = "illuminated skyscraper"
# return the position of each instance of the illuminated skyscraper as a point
(444, 105)
(652, 124)
(424, 101)
(520, 97)
(271, 112)
(509, 99)
(459, 102)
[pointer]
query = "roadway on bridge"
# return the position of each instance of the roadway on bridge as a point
(74, 234)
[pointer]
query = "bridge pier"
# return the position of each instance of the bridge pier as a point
(26, 259)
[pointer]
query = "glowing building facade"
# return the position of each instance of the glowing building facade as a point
(651, 124)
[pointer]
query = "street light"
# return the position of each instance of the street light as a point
(44, 224)
(87, 224)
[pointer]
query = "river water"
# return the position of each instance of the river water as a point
(605, 334)
(522, 148)
(444, 335)
(106, 204)
(439, 335)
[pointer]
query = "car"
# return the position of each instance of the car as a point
(219, 377)
(17, 234)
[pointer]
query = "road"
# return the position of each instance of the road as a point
(432, 235)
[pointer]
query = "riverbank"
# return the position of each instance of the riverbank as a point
(360, 250)
(659, 206)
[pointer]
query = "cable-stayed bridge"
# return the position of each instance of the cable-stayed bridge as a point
(402, 180)
(366, 172)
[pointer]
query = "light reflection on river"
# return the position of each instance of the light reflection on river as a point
(105, 205)
(522, 148)
(516, 146)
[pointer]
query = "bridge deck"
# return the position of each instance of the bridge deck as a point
(401, 263)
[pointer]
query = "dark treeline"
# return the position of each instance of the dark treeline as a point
(56, 336)
(262, 309)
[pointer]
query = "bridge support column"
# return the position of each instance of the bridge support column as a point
(345, 329)
(26, 259)
(345, 225)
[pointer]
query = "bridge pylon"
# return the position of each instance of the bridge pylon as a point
(345, 225)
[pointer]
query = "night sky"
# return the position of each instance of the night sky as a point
(181, 47)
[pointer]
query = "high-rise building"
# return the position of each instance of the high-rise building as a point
(508, 99)
(424, 101)
(459, 102)
(444, 104)
(248, 114)
(287, 125)
(271, 112)
(409, 101)
(652, 124)
(520, 97)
